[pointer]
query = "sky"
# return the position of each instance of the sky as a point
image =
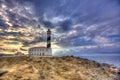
(78, 26)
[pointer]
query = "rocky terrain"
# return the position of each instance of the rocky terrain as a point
(53, 68)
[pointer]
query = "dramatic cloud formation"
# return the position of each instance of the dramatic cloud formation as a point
(78, 26)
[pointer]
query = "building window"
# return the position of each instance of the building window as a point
(43, 54)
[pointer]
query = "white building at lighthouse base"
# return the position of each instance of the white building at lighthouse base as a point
(40, 51)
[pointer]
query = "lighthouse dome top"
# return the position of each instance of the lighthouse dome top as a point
(48, 29)
(48, 32)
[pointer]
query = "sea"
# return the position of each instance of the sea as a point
(109, 58)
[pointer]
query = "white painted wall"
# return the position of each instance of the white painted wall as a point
(40, 52)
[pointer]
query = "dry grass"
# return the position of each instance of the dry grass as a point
(53, 68)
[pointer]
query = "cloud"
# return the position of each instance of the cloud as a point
(73, 23)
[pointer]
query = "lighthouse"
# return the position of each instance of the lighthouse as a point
(48, 38)
(42, 50)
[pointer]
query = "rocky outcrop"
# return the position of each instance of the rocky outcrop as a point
(2, 72)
